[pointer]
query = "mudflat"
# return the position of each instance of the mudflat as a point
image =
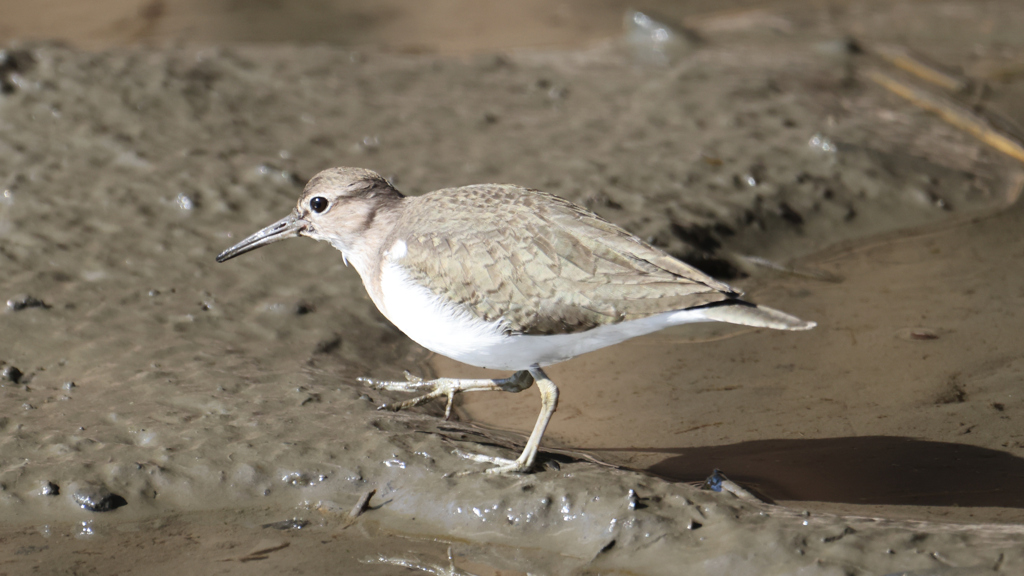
(157, 405)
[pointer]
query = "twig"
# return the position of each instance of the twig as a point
(359, 508)
(951, 113)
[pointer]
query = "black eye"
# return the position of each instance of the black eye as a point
(318, 204)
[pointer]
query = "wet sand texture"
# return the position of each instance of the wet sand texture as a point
(183, 397)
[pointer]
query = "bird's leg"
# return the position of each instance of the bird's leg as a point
(448, 387)
(549, 402)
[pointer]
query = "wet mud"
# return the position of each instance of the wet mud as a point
(158, 405)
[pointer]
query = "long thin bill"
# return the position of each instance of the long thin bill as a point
(291, 226)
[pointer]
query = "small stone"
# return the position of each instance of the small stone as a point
(19, 303)
(49, 489)
(11, 374)
(95, 498)
(69, 385)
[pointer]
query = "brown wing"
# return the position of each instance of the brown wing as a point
(541, 263)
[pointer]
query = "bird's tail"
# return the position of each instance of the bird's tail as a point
(753, 315)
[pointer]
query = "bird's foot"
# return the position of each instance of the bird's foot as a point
(446, 387)
(449, 387)
(502, 465)
(549, 401)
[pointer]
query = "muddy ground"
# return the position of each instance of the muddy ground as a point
(210, 415)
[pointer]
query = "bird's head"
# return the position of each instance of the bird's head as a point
(338, 205)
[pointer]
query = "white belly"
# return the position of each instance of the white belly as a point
(453, 331)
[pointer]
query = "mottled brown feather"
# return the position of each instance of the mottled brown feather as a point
(540, 263)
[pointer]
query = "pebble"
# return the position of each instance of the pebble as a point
(49, 489)
(95, 498)
(11, 374)
(19, 303)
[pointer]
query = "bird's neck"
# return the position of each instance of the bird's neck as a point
(367, 247)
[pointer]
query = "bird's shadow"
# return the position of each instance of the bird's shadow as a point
(882, 470)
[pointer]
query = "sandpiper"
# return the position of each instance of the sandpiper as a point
(503, 277)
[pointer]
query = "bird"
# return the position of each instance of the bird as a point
(502, 277)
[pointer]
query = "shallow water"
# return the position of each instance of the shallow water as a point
(219, 403)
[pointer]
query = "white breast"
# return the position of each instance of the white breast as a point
(453, 331)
